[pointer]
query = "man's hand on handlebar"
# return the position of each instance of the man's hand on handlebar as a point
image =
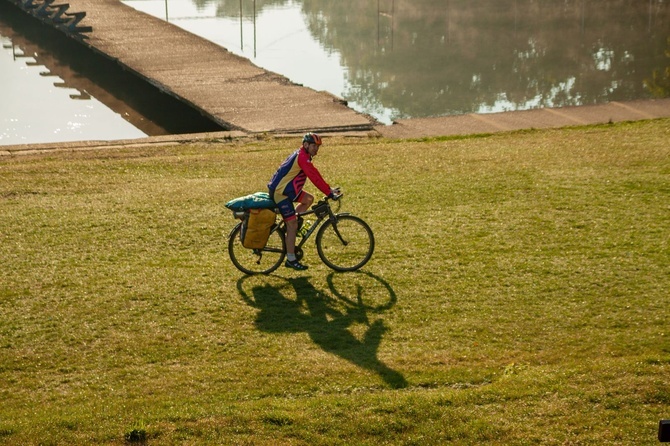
(335, 193)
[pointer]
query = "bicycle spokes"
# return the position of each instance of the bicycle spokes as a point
(345, 243)
(257, 261)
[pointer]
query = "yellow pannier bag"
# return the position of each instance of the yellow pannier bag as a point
(259, 223)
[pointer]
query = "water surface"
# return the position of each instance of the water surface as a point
(53, 89)
(418, 58)
(38, 106)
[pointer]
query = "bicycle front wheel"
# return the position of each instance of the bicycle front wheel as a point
(257, 261)
(346, 243)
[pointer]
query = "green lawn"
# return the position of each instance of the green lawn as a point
(518, 294)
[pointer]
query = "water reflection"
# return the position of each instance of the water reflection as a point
(418, 58)
(55, 90)
(40, 106)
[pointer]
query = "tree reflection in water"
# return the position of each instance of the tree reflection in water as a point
(420, 58)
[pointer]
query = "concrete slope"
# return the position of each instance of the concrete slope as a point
(527, 119)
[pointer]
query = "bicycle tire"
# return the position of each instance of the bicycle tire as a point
(257, 261)
(360, 243)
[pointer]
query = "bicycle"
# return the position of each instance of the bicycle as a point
(343, 241)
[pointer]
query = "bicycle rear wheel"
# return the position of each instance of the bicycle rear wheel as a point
(257, 261)
(345, 244)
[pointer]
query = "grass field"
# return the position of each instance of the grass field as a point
(518, 295)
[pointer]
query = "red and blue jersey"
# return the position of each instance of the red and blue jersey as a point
(290, 178)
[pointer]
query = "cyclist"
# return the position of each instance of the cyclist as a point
(286, 185)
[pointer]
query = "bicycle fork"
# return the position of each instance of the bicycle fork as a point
(337, 231)
(344, 242)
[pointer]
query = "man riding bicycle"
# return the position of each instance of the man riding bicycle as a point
(286, 187)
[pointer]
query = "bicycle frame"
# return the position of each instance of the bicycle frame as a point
(323, 212)
(332, 245)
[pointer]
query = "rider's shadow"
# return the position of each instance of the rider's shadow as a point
(329, 327)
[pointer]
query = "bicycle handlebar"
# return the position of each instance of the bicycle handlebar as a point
(336, 194)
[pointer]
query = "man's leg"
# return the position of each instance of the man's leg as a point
(291, 260)
(291, 229)
(288, 212)
(305, 200)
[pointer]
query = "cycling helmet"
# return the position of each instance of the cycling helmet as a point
(312, 138)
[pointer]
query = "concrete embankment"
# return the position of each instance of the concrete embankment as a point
(529, 119)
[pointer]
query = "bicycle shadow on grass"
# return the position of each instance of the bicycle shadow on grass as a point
(294, 305)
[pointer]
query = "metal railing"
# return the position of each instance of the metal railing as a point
(56, 14)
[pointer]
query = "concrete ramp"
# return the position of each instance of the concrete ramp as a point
(226, 88)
